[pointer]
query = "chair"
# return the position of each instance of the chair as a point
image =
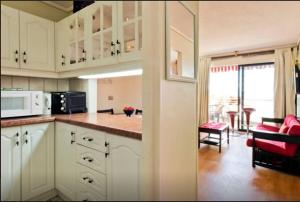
(275, 147)
(232, 115)
(111, 111)
(138, 111)
(248, 112)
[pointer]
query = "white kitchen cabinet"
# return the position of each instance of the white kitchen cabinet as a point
(130, 30)
(60, 45)
(36, 43)
(9, 37)
(10, 164)
(104, 33)
(27, 161)
(65, 167)
(123, 168)
(37, 159)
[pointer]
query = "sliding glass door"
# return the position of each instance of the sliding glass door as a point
(256, 90)
(234, 87)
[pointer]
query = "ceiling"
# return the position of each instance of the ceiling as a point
(226, 26)
(63, 5)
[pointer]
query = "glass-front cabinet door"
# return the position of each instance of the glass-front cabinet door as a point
(130, 29)
(103, 33)
(76, 46)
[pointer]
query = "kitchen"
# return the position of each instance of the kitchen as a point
(53, 141)
(80, 64)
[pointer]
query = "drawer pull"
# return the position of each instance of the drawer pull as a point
(88, 139)
(88, 158)
(90, 180)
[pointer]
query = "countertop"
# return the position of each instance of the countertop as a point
(118, 124)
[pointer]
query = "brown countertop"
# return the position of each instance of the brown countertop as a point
(26, 121)
(116, 124)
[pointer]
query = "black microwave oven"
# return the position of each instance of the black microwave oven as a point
(68, 102)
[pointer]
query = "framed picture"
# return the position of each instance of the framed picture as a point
(181, 42)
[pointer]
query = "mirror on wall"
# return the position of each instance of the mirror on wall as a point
(180, 42)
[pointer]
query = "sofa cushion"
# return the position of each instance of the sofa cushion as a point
(267, 128)
(289, 119)
(294, 130)
(283, 129)
(276, 147)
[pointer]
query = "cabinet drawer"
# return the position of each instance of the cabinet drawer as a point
(91, 179)
(86, 194)
(91, 158)
(91, 138)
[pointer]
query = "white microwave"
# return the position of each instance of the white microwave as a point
(21, 103)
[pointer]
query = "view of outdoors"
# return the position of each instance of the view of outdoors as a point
(251, 84)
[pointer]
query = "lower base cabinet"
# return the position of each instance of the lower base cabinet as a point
(27, 161)
(98, 166)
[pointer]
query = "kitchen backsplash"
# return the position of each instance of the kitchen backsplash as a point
(32, 83)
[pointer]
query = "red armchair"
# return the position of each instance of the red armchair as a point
(276, 147)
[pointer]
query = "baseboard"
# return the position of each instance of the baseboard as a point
(45, 196)
(62, 196)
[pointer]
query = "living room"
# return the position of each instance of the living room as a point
(249, 101)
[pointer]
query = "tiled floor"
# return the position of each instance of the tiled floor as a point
(230, 176)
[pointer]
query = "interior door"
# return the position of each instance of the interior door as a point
(36, 42)
(129, 30)
(37, 159)
(10, 164)
(9, 37)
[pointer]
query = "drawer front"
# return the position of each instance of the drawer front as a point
(91, 158)
(86, 194)
(91, 179)
(91, 138)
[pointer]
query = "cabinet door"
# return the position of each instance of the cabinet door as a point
(9, 37)
(123, 168)
(65, 172)
(37, 159)
(129, 30)
(102, 17)
(60, 45)
(36, 43)
(10, 164)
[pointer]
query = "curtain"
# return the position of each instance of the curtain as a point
(203, 82)
(284, 82)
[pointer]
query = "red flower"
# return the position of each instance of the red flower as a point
(129, 108)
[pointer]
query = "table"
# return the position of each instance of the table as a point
(214, 128)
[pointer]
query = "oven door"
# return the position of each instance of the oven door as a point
(15, 103)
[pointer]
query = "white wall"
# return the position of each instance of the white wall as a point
(125, 91)
(169, 119)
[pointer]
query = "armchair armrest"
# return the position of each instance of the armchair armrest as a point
(275, 136)
(272, 120)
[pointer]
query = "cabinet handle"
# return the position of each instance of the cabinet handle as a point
(16, 56)
(63, 60)
(90, 180)
(88, 139)
(112, 53)
(88, 158)
(107, 149)
(73, 137)
(26, 137)
(119, 47)
(17, 141)
(24, 57)
(84, 58)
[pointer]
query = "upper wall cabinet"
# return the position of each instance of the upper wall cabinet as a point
(27, 41)
(103, 33)
(130, 29)
(36, 43)
(9, 37)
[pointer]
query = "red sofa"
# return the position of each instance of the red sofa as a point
(276, 144)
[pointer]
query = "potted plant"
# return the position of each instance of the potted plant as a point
(128, 110)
